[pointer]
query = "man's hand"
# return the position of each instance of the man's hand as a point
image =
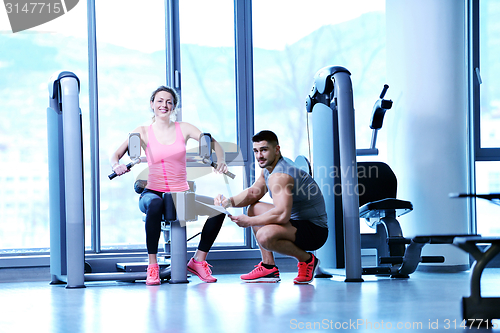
(242, 221)
(221, 200)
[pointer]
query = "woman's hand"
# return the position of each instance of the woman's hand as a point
(120, 169)
(221, 167)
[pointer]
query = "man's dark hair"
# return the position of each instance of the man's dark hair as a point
(266, 135)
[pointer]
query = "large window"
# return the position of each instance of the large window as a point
(209, 96)
(27, 61)
(488, 147)
(487, 181)
(293, 40)
(292, 44)
(490, 74)
(131, 65)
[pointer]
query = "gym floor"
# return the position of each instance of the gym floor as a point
(426, 302)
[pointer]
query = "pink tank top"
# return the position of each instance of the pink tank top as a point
(167, 163)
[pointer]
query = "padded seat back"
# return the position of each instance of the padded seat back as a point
(376, 181)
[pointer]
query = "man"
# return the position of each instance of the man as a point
(294, 223)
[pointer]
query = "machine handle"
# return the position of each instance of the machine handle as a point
(227, 173)
(130, 165)
(382, 94)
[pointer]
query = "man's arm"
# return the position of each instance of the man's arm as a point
(250, 195)
(281, 186)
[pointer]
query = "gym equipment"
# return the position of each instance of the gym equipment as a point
(378, 113)
(397, 256)
(380, 208)
(67, 248)
(65, 180)
(205, 152)
(476, 307)
(331, 104)
(176, 213)
(329, 101)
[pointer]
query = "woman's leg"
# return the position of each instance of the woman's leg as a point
(151, 204)
(198, 264)
(208, 235)
(210, 229)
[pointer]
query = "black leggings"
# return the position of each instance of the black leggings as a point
(151, 203)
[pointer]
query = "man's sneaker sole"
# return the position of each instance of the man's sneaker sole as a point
(263, 280)
(313, 274)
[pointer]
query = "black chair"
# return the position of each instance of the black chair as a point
(377, 186)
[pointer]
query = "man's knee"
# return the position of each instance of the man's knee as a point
(265, 237)
(251, 210)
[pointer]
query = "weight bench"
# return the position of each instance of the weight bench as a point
(476, 307)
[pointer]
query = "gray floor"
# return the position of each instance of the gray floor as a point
(425, 302)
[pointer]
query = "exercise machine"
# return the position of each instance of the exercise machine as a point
(179, 208)
(330, 101)
(65, 155)
(65, 180)
(331, 104)
(475, 307)
(397, 256)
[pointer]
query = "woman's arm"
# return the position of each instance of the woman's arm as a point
(192, 132)
(221, 157)
(114, 159)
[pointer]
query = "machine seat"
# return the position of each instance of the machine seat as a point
(377, 209)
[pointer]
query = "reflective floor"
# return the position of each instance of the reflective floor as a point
(427, 302)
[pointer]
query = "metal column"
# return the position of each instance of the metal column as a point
(66, 168)
(331, 99)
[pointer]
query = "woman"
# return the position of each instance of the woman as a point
(164, 142)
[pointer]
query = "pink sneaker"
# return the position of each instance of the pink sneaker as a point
(201, 269)
(262, 274)
(306, 271)
(153, 275)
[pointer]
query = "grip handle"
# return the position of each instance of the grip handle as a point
(227, 173)
(113, 175)
(382, 94)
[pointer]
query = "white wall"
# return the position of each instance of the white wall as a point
(426, 129)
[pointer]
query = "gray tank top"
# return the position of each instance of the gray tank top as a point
(308, 202)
